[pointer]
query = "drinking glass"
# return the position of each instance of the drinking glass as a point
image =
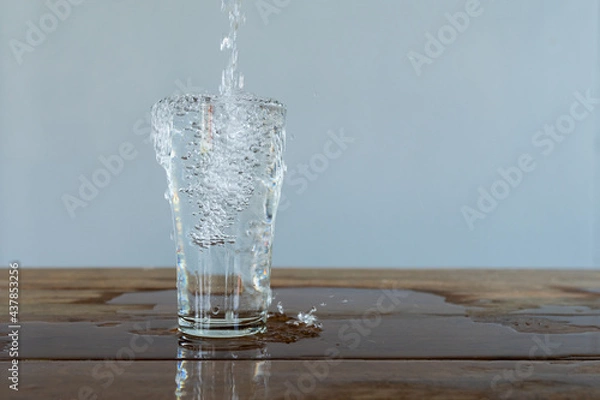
(223, 156)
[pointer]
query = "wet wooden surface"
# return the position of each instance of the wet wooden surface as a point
(387, 334)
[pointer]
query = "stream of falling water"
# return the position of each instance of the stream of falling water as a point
(232, 80)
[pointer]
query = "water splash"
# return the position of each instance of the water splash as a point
(308, 319)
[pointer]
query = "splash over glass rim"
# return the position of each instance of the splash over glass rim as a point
(238, 98)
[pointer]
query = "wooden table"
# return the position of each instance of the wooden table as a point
(387, 334)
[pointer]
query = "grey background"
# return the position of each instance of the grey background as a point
(423, 144)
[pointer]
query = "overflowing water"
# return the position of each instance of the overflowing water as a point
(215, 153)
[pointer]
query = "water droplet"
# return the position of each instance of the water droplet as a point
(280, 308)
(308, 319)
(215, 310)
(226, 43)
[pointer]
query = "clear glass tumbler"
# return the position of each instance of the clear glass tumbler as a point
(224, 162)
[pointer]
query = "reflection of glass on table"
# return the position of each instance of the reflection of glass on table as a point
(207, 372)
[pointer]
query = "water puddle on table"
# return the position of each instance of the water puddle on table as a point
(356, 324)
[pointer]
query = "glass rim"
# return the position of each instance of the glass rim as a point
(235, 98)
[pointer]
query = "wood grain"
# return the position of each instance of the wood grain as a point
(445, 334)
(289, 379)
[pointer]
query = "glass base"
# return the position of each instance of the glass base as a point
(221, 328)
